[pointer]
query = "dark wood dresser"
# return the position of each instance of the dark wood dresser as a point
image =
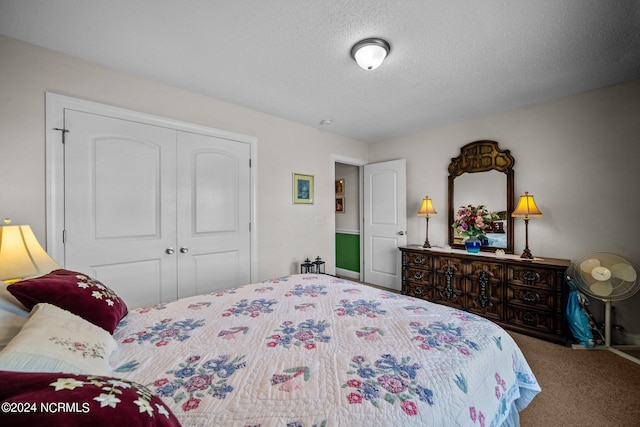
(526, 296)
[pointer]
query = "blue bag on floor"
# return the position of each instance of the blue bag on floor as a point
(577, 318)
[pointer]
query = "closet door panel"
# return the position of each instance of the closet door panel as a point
(215, 192)
(213, 179)
(127, 188)
(120, 212)
(215, 271)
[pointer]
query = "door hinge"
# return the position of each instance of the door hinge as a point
(249, 162)
(249, 227)
(64, 133)
(64, 236)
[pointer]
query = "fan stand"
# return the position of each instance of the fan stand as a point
(607, 338)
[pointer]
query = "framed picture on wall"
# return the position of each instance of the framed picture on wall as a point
(302, 189)
(339, 204)
(339, 186)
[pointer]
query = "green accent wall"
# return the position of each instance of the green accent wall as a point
(348, 251)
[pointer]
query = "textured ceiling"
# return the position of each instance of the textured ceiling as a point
(449, 61)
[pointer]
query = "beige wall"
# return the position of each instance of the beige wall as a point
(286, 233)
(579, 156)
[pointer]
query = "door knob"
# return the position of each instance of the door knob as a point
(184, 250)
(170, 250)
(401, 233)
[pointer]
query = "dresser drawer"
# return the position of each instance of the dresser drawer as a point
(531, 319)
(418, 290)
(528, 276)
(527, 297)
(417, 260)
(417, 275)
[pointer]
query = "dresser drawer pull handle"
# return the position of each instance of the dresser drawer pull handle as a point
(529, 297)
(418, 290)
(530, 276)
(419, 260)
(529, 318)
(418, 275)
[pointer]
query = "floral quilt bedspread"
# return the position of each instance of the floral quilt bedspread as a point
(314, 350)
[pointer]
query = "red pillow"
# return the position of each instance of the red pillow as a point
(46, 398)
(74, 292)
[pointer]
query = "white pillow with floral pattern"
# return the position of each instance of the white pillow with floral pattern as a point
(55, 340)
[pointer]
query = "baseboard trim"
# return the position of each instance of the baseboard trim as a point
(348, 273)
(631, 339)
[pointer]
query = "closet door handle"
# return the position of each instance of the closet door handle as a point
(184, 250)
(170, 250)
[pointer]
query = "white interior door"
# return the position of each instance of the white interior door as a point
(385, 222)
(120, 205)
(213, 213)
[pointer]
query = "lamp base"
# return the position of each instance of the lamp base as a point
(426, 235)
(526, 254)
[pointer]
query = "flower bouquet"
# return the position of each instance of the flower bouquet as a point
(474, 221)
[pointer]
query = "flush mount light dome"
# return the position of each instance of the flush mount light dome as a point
(369, 53)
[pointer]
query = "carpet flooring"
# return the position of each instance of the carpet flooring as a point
(580, 387)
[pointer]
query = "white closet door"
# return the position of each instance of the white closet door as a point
(214, 213)
(120, 205)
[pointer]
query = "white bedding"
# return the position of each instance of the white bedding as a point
(314, 350)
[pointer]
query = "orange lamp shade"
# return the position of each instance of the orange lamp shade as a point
(427, 208)
(526, 207)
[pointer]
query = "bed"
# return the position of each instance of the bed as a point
(299, 350)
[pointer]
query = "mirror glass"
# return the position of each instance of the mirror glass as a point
(489, 189)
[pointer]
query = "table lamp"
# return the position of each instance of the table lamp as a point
(21, 255)
(425, 210)
(526, 208)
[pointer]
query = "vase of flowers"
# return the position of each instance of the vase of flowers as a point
(472, 223)
(472, 244)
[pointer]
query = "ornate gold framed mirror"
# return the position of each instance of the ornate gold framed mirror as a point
(483, 175)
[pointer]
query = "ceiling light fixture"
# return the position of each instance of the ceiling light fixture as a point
(369, 53)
